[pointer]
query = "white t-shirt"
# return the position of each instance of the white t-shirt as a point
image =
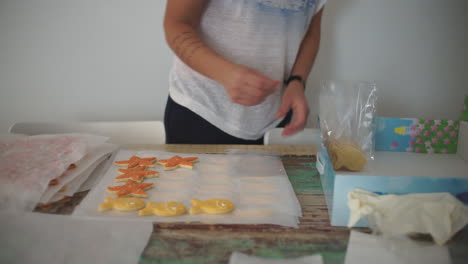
(261, 34)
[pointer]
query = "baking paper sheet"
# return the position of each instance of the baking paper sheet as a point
(72, 187)
(256, 184)
(98, 173)
(78, 175)
(240, 258)
(28, 164)
(49, 239)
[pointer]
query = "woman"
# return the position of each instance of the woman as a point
(240, 67)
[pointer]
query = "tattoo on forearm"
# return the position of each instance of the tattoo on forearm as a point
(178, 36)
(185, 48)
(188, 46)
(179, 41)
(189, 57)
(182, 41)
(194, 42)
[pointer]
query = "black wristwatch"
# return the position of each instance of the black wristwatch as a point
(295, 78)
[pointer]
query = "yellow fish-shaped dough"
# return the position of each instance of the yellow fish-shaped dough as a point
(163, 209)
(212, 206)
(125, 204)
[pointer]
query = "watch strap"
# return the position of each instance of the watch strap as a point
(294, 78)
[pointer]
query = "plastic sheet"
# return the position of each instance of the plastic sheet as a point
(366, 248)
(439, 214)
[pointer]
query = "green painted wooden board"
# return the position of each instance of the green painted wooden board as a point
(202, 243)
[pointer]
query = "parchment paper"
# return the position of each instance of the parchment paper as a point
(256, 184)
(28, 164)
(73, 178)
(49, 239)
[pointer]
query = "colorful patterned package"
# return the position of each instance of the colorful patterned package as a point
(417, 135)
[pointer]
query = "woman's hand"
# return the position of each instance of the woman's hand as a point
(294, 98)
(246, 86)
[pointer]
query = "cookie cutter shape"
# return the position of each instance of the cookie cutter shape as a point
(130, 188)
(126, 204)
(165, 209)
(211, 206)
(177, 161)
(136, 161)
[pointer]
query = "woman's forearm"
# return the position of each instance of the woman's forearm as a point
(309, 48)
(185, 41)
(244, 85)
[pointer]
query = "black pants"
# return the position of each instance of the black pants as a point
(186, 127)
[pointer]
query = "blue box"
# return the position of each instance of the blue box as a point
(393, 172)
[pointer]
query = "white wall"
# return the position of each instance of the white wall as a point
(416, 51)
(82, 60)
(107, 59)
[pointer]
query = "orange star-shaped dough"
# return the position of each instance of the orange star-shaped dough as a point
(123, 171)
(177, 161)
(136, 161)
(136, 175)
(131, 188)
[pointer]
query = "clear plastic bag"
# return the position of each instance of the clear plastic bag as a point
(347, 110)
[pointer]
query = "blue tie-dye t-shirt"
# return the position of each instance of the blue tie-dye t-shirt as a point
(261, 34)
